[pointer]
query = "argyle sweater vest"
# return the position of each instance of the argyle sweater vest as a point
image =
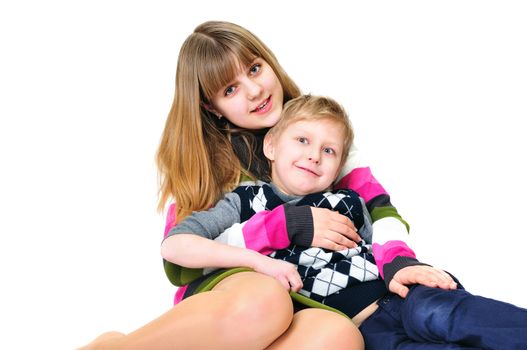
(323, 272)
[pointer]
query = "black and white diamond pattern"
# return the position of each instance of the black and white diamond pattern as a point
(325, 272)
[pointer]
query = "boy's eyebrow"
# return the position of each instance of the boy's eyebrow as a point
(311, 133)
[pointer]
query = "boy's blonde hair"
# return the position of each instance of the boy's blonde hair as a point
(310, 107)
(195, 158)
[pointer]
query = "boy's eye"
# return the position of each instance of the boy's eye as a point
(302, 140)
(329, 150)
(229, 91)
(255, 68)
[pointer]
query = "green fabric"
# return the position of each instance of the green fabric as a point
(389, 211)
(180, 276)
(215, 278)
(244, 177)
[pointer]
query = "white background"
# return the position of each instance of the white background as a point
(436, 92)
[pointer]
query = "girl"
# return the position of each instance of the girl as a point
(306, 149)
(229, 90)
(235, 90)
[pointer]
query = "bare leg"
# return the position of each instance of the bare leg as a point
(246, 310)
(320, 329)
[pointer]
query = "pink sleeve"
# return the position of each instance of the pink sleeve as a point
(385, 253)
(170, 219)
(361, 180)
(266, 231)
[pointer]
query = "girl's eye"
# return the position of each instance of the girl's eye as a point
(329, 150)
(302, 140)
(255, 68)
(229, 91)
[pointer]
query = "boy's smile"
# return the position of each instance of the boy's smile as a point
(306, 156)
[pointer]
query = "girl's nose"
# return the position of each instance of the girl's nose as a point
(253, 89)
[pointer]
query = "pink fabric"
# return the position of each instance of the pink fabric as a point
(385, 253)
(266, 231)
(170, 219)
(362, 181)
(179, 294)
(169, 223)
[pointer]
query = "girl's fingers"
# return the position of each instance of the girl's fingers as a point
(345, 231)
(341, 240)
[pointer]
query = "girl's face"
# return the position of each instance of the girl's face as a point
(306, 156)
(253, 100)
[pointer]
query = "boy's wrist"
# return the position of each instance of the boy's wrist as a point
(254, 259)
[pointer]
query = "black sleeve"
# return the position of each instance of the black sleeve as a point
(390, 269)
(299, 224)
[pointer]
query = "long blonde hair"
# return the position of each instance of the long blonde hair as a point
(195, 158)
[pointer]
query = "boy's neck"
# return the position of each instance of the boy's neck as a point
(275, 183)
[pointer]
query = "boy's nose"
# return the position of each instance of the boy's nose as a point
(314, 159)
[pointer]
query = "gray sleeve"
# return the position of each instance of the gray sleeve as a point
(366, 231)
(212, 222)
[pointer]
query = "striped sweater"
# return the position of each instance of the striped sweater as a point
(268, 231)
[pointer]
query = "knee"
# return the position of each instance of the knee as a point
(259, 307)
(328, 329)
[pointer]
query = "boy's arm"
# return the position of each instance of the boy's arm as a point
(202, 224)
(193, 251)
(210, 223)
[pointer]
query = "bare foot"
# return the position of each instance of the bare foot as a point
(107, 337)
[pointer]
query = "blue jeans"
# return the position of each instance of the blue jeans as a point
(432, 318)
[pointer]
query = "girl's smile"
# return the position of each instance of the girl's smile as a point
(264, 107)
(255, 92)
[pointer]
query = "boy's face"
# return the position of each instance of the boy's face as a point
(306, 156)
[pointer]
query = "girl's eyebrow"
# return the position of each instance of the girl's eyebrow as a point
(240, 71)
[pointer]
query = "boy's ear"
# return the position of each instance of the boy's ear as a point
(268, 148)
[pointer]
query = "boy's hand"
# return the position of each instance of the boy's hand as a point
(332, 230)
(421, 274)
(283, 271)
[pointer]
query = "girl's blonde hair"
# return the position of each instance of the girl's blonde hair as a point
(195, 158)
(309, 107)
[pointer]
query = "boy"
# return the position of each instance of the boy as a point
(307, 149)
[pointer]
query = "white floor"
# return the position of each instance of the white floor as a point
(436, 93)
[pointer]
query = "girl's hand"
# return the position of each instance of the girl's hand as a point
(332, 230)
(283, 271)
(421, 274)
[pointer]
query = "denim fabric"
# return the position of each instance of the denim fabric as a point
(432, 318)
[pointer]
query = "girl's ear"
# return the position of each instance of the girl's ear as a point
(211, 109)
(268, 148)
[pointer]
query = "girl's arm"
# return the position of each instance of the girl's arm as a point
(270, 230)
(190, 250)
(390, 231)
